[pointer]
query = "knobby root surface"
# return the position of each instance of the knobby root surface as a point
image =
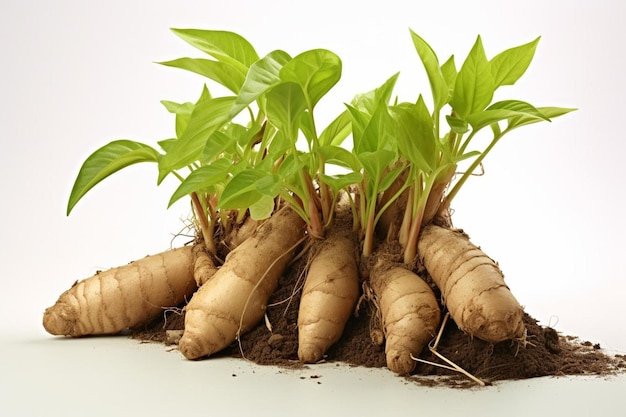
(546, 353)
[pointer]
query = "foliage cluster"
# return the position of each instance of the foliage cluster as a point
(242, 153)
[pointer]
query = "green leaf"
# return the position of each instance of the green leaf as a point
(359, 120)
(226, 74)
(316, 71)
(415, 134)
(277, 146)
(475, 85)
(336, 155)
(488, 117)
(290, 167)
(518, 106)
(208, 116)
(262, 208)
(244, 136)
(457, 125)
(448, 69)
(307, 127)
(341, 181)
(438, 84)
(217, 144)
(337, 131)
(285, 105)
(182, 112)
(166, 144)
(375, 163)
(175, 108)
(228, 47)
(203, 179)
(526, 119)
(503, 110)
(246, 188)
(110, 158)
(268, 185)
(378, 133)
(390, 178)
(508, 66)
(368, 102)
(372, 127)
(552, 112)
(262, 76)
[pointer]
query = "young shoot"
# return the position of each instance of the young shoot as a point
(466, 97)
(287, 91)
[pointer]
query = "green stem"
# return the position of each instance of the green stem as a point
(362, 205)
(411, 248)
(435, 197)
(405, 227)
(177, 175)
(328, 222)
(355, 215)
(463, 147)
(207, 226)
(402, 179)
(296, 205)
(422, 192)
(368, 242)
(315, 139)
(457, 186)
(392, 200)
(326, 197)
(436, 121)
(316, 227)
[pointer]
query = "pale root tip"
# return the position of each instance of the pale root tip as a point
(190, 346)
(55, 321)
(400, 362)
(309, 353)
(495, 316)
(496, 328)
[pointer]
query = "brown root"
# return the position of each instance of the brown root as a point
(235, 298)
(203, 265)
(123, 297)
(472, 286)
(328, 298)
(409, 311)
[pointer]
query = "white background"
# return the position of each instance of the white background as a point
(75, 75)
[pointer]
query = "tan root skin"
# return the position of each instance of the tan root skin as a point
(123, 297)
(328, 298)
(410, 314)
(472, 286)
(203, 265)
(235, 298)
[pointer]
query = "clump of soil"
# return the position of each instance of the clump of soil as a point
(545, 353)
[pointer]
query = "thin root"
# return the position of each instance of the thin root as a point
(245, 307)
(432, 346)
(299, 282)
(522, 342)
(175, 310)
(474, 174)
(188, 226)
(376, 329)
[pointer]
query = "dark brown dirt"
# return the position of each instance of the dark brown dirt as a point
(546, 353)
